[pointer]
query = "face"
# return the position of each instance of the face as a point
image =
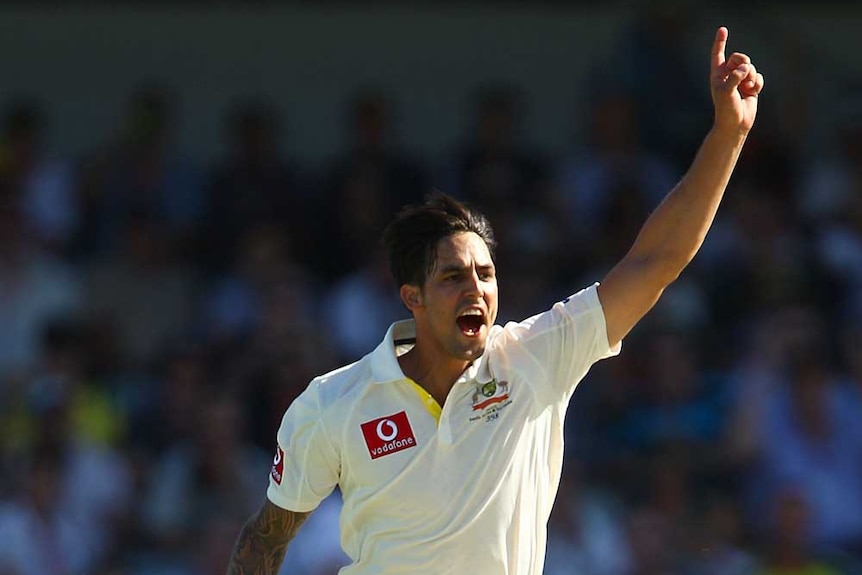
(457, 306)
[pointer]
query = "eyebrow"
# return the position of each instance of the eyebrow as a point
(455, 268)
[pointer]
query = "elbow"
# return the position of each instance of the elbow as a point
(665, 268)
(672, 268)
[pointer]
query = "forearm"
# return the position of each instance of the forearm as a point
(675, 231)
(262, 543)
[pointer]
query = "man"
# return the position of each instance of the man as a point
(446, 441)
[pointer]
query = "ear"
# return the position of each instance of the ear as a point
(411, 296)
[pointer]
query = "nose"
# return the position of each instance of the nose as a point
(474, 285)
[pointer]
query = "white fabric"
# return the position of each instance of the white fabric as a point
(474, 492)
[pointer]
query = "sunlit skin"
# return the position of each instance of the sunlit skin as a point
(463, 278)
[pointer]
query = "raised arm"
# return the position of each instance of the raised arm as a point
(263, 541)
(675, 231)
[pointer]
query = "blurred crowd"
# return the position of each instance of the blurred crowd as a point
(158, 316)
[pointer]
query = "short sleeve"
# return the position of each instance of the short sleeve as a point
(306, 465)
(556, 348)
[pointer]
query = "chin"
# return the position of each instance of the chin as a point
(473, 351)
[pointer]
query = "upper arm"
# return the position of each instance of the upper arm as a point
(307, 465)
(630, 290)
(556, 348)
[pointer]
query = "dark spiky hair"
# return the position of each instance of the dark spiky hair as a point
(411, 238)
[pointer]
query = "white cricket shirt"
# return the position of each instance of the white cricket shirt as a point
(462, 490)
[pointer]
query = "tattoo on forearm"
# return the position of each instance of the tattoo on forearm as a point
(263, 541)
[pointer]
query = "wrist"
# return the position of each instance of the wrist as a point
(733, 135)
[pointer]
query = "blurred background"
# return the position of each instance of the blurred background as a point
(191, 196)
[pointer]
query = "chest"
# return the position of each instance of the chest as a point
(394, 437)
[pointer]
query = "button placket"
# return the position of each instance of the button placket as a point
(459, 393)
(444, 429)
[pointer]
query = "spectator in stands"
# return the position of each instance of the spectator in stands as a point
(253, 186)
(77, 491)
(139, 175)
(789, 546)
(46, 184)
(35, 287)
(650, 45)
(497, 172)
(142, 276)
(717, 548)
(586, 531)
(213, 476)
(685, 407)
(176, 385)
(264, 261)
(364, 186)
(39, 537)
(831, 200)
(612, 173)
(812, 440)
(361, 305)
(652, 546)
(493, 168)
(252, 313)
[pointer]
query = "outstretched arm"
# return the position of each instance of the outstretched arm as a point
(263, 541)
(673, 234)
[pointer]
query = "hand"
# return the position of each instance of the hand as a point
(735, 86)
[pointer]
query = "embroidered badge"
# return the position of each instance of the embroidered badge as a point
(489, 398)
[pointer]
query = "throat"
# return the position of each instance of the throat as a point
(435, 377)
(438, 395)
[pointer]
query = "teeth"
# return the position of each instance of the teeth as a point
(472, 312)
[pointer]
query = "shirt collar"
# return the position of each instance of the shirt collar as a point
(384, 359)
(402, 334)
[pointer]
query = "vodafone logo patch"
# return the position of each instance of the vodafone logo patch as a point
(278, 465)
(388, 435)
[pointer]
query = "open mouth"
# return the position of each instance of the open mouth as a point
(470, 322)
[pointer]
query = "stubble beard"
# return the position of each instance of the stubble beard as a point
(469, 351)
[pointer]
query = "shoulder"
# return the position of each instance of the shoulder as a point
(581, 306)
(320, 410)
(341, 385)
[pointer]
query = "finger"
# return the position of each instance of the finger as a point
(737, 59)
(718, 48)
(735, 78)
(758, 85)
(750, 78)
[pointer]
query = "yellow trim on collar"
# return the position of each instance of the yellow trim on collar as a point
(427, 400)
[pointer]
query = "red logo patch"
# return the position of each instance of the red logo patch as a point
(388, 435)
(278, 465)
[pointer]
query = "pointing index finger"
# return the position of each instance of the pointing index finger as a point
(718, 47)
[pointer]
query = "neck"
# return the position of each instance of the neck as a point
(435, 373)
